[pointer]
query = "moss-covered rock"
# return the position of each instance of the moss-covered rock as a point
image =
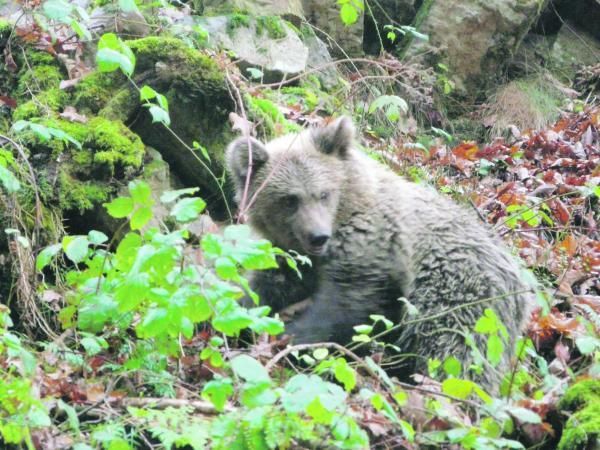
(582, 430)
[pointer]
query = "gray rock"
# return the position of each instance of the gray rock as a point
(342, 40)
(319, 57)
(475, 38)
(277, 57)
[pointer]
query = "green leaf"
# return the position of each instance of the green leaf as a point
(97, 237)
(202, 149)
(348, 14)
(495, 349)
(344, 374)
(452, 366)
(249, 369)
(140, 217)
(132, 291)
(46, 255)
(320, 353)
(159, 114)
(114, 54)
(58, 10)
(587, 344)
(226, 268)
(188, 209)
(128, 6)
(155, 323)
(140, 193)
(458, 388)
(524, 415)
(217, 391)
(93, 345)
(82, 31)
(9, 181)
(171, 196)
(75, 247)
(120, 207)
(391, 104)
(318, 412)
(95, 311)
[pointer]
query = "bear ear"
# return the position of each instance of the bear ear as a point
(237, 155)
(336, 138)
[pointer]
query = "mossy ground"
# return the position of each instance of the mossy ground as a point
(582, 430)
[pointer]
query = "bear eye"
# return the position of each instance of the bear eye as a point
(290, 201)
(324, 195)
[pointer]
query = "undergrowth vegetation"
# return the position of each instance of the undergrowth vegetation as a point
(137, 339)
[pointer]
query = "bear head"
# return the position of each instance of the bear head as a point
(292, 186)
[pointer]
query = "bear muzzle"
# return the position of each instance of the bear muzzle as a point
(317, 243)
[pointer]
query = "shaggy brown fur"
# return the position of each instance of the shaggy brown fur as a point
(374, 237)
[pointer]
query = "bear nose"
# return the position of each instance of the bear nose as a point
(318, 240)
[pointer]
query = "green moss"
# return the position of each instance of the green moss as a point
(109, 144)
(236, 21)
(583, 427)
(188, 65)
(45, 103)
(5, 28)
(40, 73)
(272, 25)
(121, 105)
(80, 195)
(94, 91)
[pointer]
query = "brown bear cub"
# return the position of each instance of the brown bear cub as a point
(373, 238)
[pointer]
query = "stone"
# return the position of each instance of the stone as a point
(474, 38)
(264, 42)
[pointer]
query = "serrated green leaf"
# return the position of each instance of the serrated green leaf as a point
(495, 349)
(226, 268)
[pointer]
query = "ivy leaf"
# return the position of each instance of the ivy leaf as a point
(249, 369)
(46, 255)
(120, 207)
(188, 209)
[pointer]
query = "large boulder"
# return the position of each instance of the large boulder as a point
(267, 43)
(342, 40)
(474, 38)
(254, 7)
(199, 105)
